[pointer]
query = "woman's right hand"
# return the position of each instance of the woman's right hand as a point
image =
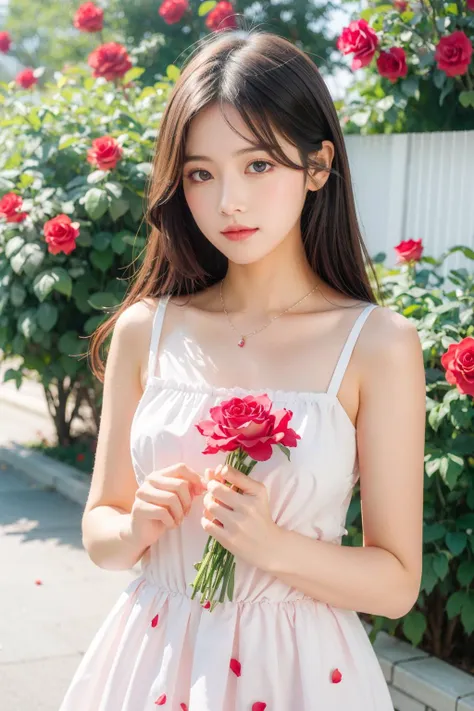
(162, 502)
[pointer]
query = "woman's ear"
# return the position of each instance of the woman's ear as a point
(317, 177)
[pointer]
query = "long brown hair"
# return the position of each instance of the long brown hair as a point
(274, 86)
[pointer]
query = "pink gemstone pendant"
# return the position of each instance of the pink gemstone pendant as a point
(241, 343)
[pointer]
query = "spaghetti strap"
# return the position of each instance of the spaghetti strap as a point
(346, 352)
(155, 334)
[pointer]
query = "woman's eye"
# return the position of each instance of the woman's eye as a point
(254, 162)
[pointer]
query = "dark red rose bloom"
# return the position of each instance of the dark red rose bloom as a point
(173, 10)
(400, 5)
(5, 42)
(110, 61)
(458, 361)
(361, 40)
(105, 153)
(89, 18)
(409, 251)
(247, 423)
(10, 206)
(61, 234)
(26, 78)
(453, 54)
(222, 17)
(392, 64)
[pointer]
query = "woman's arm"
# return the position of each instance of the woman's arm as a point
(383, 576)
(106, 516)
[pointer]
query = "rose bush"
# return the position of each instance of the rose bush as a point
(418, 67)
(442, 307)
(73, 174)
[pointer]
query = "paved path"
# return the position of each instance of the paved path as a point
(44, 629)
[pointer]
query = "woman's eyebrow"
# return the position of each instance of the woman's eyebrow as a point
(255, 147)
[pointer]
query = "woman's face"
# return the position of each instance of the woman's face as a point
(251, 189)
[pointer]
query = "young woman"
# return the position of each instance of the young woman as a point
(250, 141)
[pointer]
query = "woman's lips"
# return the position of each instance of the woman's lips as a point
(240, 235)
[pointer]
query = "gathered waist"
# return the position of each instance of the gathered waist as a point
(146, 579)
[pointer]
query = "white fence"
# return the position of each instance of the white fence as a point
(412, 186)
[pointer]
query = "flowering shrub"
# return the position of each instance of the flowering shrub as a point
(73, 172)
(413, 52)
(442, 621)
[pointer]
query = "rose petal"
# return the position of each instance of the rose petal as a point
(235, 666)
(336, 676)
(161, 700)
(259, 706)
(154, 621)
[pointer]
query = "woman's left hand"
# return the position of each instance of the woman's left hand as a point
(241, 520)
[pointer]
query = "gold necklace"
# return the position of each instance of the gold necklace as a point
(243, 337)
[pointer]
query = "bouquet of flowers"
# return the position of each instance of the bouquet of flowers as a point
(246, 429)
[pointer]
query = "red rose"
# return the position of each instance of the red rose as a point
(222, 17)
(470, 5)
(110, 61)
(409, 250)
(173, 10)
(458, 362)
(247, 423)
(453, 54)
(360, 39)
(26, 78)
(10, 205)
(392, 64)
(89, 18)
(400, 5)
(105, 153)
(5, 42)
(61, 234)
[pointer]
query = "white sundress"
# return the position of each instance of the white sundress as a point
(158, 648)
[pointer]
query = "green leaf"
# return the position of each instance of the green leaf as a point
(456, 542)
(173, 72)
(93, 322)
(69, 344)
(47, 316)
(467, 614)
(13, 245)
(132, 74)
(96, 203)
(114, 189)
(433, 532)
(429, 578)
(102, 300)
(102, 260)
(118, 208)
(465, 573)
(455, 603)
(56, 279)
(118, 244)
(466, 98)
(26, 323)
(410, 86)
(206, 7)
(285, 450)
(97, 176)
(441, 565)
(17, 294)
(102, 240)
(414, 626)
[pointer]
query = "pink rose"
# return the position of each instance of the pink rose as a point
(26, 78)
(470, 5)
(10, 206)
(5, 42)
(453, 54)
(61, 234)
(105, 153)
(110, 61)
(221, 17)
(173, 10)
(409, 251)
(400, 5)
(359, 39)
(458, 361)
(247, 423)
(392, 64)
(89, 18)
